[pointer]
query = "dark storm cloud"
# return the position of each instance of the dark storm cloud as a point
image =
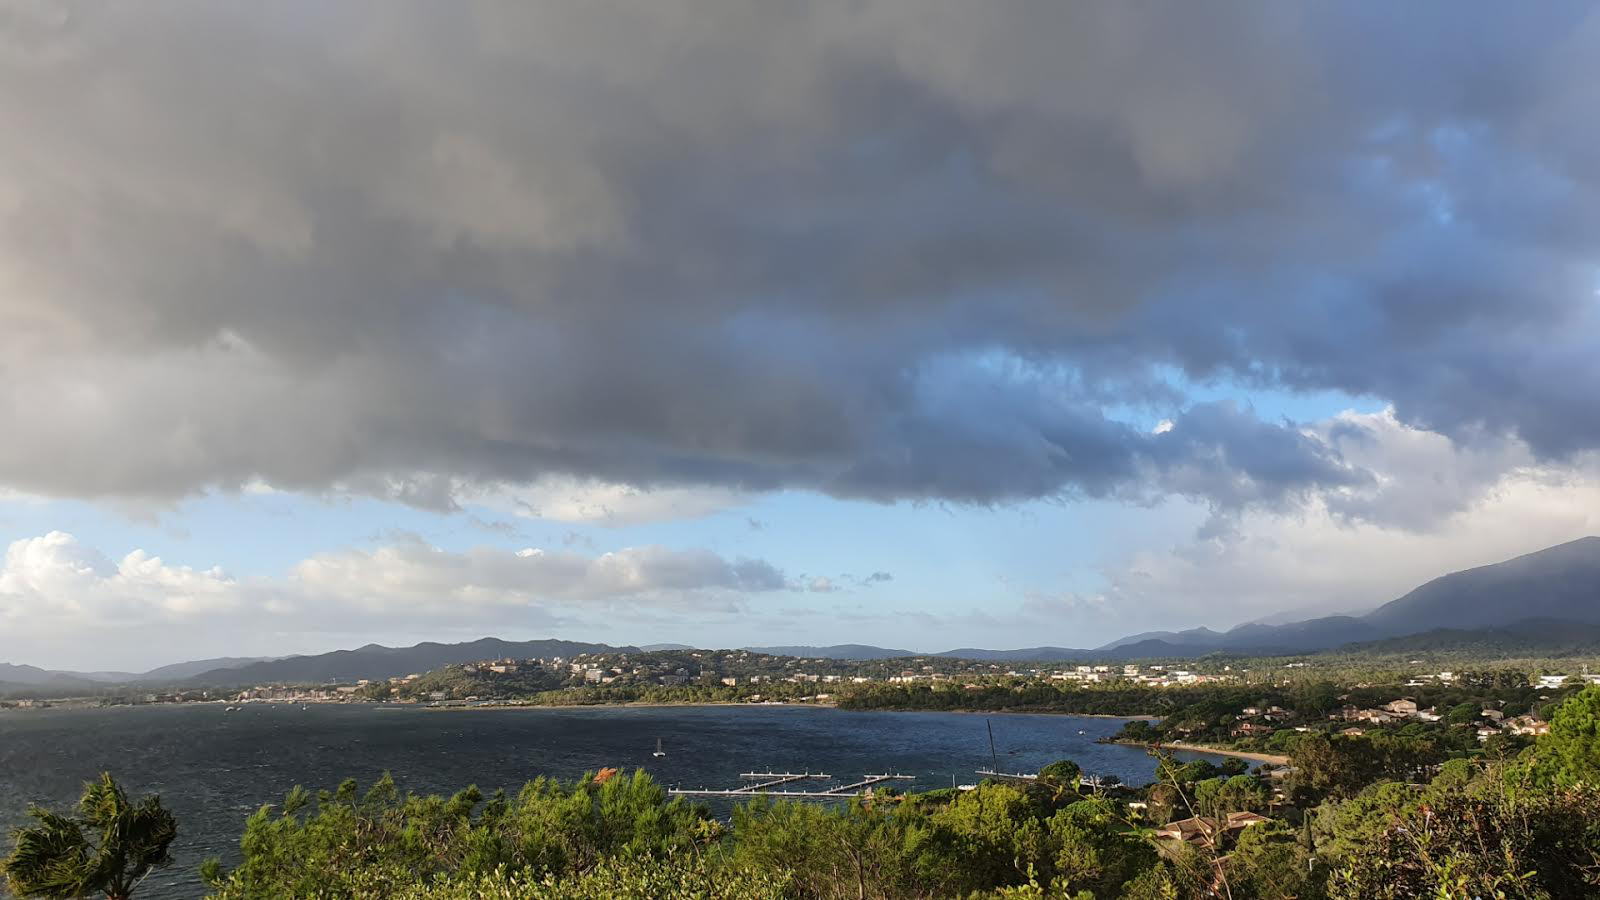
(884, 250)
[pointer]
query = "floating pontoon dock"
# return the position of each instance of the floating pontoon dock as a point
(1012, 776)
(766, 781)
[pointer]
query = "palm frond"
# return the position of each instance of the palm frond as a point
(109, 848)
(50, 859)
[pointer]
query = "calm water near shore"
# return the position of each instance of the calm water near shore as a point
(213, 768)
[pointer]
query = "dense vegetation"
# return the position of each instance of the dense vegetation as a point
(1282, 717)
(702, 676)
(1356, 819)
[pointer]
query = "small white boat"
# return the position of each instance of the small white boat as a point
(232, 709)
(659, 752)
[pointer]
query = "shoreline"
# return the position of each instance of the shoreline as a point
(1276, 759)
(392, 704)
(688, 704)
(1027, 712)
(741, 704)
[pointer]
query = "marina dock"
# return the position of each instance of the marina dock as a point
(766, 783)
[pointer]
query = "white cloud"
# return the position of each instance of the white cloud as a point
(587, 501)
(1421, 477)
(556, 498)
(416, 578)
(52, 582)
(53, 588)
(1434, 507)
(1437, 507)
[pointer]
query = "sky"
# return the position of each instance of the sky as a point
(915, 323)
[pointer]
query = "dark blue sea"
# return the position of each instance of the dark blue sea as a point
(214, 768)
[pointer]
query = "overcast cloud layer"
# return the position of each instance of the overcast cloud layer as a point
(634, 263)
(880, 250)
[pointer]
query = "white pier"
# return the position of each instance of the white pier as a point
(766, 782)
(1013, 776)
(867, 781)
(773, 779)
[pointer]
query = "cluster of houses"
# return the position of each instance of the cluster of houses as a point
(1255, 721)
(506, 666)
(607, 675)
(613, 667)
(1549, 682)
(602, 669)
(607, 670)
(1151, 676)
(280, 694)
(1393, 711)
(1208, 831)
(1490, 721)
(1543, 682)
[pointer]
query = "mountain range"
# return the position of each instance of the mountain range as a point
(1560, 583)
(1513, 602)
(372, 661)
(376, 661)
(1537, 603)
(13, 676)
(837, 651)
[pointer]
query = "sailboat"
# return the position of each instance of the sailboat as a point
(659, 752)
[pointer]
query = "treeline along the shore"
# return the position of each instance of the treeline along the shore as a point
(1357, 817)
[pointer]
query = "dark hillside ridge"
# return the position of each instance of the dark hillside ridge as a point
(33, 676)
(375, 662)
(1557, 583)
(1532, 638)
(1027, 654)
(179, 671)
(836, 651)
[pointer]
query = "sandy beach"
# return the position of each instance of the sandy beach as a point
(1273, 758)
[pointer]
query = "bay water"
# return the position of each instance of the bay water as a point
(214, 768)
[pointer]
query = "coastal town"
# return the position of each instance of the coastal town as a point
(1185, 695)
(667, 669)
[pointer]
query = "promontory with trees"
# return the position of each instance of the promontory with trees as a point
(1384, 813)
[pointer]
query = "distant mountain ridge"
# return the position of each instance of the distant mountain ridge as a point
(35, 676)
(1035, 654)
(1534, 637)
(182, 670)
(1557, 583)
(1539, 602)
(1292, 637)
(31, 676)
(375, 661)
(836, 651)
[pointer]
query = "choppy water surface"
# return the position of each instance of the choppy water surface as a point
(213, 768)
